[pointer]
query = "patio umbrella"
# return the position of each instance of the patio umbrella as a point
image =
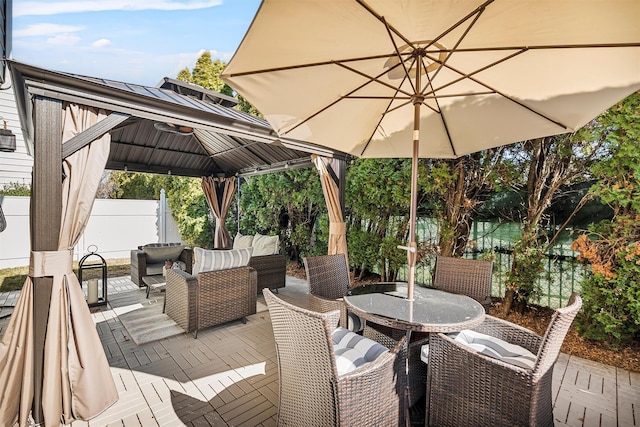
(364, 77)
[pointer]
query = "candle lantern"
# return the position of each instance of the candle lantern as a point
(93, 261)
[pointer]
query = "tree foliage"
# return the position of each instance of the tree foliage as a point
(15, 189)
(287, 203)
(611, 310)
(377, 204)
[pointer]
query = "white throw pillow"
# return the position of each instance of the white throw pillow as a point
(242, 242)
(265, 245)
(212, 260)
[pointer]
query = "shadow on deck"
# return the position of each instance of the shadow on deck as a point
(229, 376)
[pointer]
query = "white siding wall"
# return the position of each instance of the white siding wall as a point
(115, 227)
(16, 166)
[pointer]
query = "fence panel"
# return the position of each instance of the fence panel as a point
(562, 275)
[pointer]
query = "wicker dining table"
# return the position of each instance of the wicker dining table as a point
(431, 310)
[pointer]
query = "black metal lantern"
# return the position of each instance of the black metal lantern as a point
(94, 298)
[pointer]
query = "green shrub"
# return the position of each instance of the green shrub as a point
(611, 309)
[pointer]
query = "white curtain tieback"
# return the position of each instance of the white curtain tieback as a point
(50, 263)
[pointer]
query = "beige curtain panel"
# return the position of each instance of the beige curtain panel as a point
(77, 381)
(219, 193)
(337, 226)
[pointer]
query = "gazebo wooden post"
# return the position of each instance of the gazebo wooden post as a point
(45, 217)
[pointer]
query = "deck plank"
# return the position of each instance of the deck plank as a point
(229, 376)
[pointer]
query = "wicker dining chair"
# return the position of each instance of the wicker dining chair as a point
(328, 277)
(467, 388)
(311, 392)
(469, 277)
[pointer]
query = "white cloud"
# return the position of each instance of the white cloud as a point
(101, 43)
(45, 29)
(73, 6)
(63, 40)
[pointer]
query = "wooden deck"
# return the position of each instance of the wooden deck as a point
(228, 376)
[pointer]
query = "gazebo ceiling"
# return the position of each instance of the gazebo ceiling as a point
(219, 139)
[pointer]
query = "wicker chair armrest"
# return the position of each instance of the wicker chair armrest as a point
(510, 332)
(322, 305)
(374, 378)
(187, 257)
(275, 262)
(138, 266)
(180, 298)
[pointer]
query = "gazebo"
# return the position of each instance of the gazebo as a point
(75, 127)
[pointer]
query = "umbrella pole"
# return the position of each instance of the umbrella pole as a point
(413, 247)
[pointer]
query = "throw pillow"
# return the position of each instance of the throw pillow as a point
(212, 260)
(265, 245)
(242, 242)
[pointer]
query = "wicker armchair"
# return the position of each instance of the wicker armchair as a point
(464, 276)
(328, 277)
(142, 264)
(311, 391)
(466, 388)
(211, 297)
(271, 269)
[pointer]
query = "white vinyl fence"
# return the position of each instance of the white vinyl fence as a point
(115, 228)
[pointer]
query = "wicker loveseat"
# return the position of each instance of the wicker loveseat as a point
(149, 259)
(210, 298)
(270, 265)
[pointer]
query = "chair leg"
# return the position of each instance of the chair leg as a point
(244, 320)
(148, 289)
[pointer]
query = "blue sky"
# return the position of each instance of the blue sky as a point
(135, 41)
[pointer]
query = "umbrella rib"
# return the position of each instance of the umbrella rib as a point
(400, 60)
(542, 47)
(348, 95)
(479, 12)
(508, 97)
(465, 76)
(375, 79)
(309, 65)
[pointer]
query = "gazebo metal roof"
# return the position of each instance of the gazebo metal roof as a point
(224, 141)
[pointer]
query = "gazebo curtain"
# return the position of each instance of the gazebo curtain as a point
(337, 226)
(219, 193)
(77, 382)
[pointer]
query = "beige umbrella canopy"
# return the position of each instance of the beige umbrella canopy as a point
(364, 77)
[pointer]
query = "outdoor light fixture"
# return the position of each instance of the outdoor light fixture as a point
(94, 298)
(174, 129)
(7, 139)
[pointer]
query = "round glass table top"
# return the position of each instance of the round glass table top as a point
(431, 310)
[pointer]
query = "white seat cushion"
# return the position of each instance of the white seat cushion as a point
(353, 350)
(496, 348)
(489, 346)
